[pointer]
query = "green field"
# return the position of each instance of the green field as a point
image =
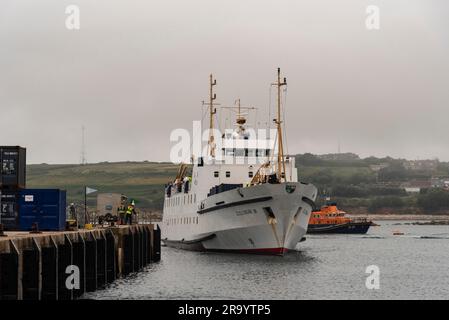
(143, 181)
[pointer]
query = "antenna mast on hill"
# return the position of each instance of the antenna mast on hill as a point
(83, 160)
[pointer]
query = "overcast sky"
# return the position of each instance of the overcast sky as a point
(136, 70)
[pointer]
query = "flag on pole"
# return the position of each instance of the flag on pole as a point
(90, 190)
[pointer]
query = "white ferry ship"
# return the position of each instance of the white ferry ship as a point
(249, 200)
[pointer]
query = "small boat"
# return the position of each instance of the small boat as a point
(398, 233)
(330, 219)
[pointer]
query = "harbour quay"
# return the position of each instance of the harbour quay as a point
(64, 265)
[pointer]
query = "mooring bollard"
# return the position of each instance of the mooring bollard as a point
(35, 228)
(2, 233)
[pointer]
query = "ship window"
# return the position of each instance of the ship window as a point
(194, 198)
(251, 152)
(216, 174)
(200, 162)
(250, 174)
(239, 152)
(228, 174)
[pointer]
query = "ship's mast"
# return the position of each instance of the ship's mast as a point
(212, 112)
(280, 163)
(240, 118)
(239, 109)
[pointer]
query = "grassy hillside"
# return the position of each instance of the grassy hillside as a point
(355, 185)
(143, 181)
(350, 182)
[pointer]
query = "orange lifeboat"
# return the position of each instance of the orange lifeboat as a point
(330, 219)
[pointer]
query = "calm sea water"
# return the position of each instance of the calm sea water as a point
(413, 266)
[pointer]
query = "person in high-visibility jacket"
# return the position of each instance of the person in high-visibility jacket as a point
(121, 210)
(129, 214)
